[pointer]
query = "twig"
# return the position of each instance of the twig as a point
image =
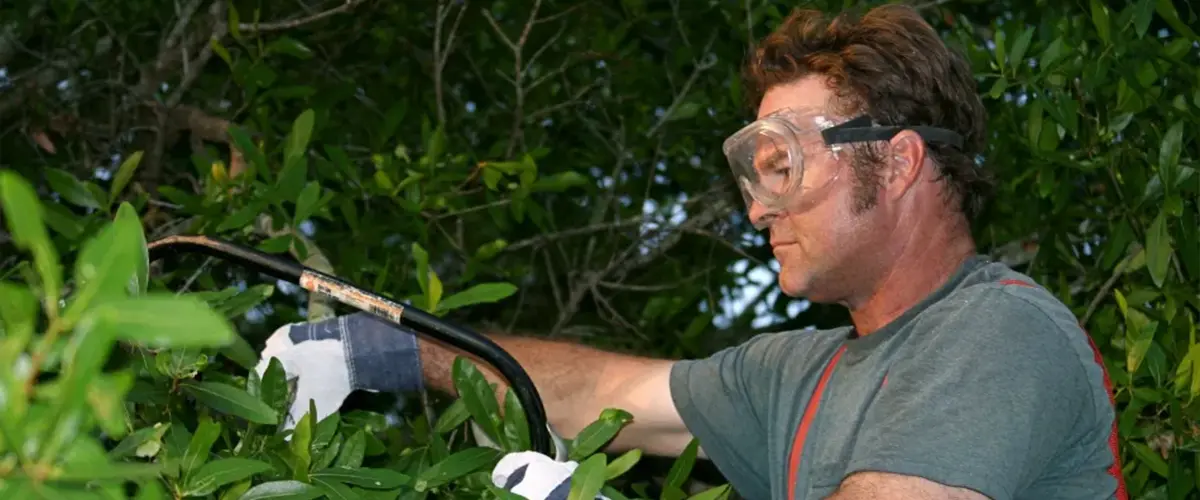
(1107, 287)
(440, 54)
(296, 23)
(701, 66)
(192, 70)
(517, 48)
(192, 279)
(594, 228)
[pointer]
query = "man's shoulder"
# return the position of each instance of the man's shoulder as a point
(1008, 313)
(1008, 300)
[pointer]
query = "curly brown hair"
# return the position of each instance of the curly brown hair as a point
(891, 65)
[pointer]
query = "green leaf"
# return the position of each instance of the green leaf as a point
(201, 443)
(998, 88)
(453, 417)
(29, 233)
(1158, 249)
(682, 468)
(335, 490)
(278, 244)
(477, 395)
(1150, 458)
(713, 493)
(291, 181)
(105, 470)
(684, 111)
(136, 439)
(1100, 19)
(1017, 56)
(106, 398)
(18, 312)
(274, 387)
(560, 182)
(364, 477)
(243, 216)
(1052, 53)
(161, 319)
(478, 294)
(301, 443)
(297, 140)
(1143, 14)
(70, 188)
(306, 203)
(622, 464)
(107, 265)
(1166, 9)
(290, 46)
(231, 400)
(421, 258)
(598, 433)
(1168, 154)
(353, 451)
(588, 478)
(124, 174)
(455, 466)
(220, 472)
(1140, 337)
(282, 490)
(241, 302)
(516, 425)
(435, 291)
(127, 215)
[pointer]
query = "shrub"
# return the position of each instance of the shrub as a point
(121, 390)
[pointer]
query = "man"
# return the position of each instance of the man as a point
(958, 379)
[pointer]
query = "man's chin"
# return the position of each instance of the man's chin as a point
(793, 284)
(799, 285)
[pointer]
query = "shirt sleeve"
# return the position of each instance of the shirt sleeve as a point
(723, 400)
(983, 402)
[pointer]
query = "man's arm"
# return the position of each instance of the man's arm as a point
(576, 383)
(871, 485)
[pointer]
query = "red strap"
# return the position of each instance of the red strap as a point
(809, 412)
(1113, 440)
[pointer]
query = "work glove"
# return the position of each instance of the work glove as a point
(535, 476)
(331, 358)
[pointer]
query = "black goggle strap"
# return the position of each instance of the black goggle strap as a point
(860, 130)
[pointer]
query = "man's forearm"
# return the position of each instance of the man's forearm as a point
(566, 375)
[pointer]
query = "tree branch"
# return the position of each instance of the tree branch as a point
(296, 23)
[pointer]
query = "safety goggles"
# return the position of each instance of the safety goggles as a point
(776, 160)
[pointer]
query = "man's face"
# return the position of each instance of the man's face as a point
(821, 242)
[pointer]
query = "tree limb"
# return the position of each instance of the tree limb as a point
(296, 23)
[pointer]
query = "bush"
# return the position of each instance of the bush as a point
(120, 390)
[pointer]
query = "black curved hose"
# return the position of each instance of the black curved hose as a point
(346, 293)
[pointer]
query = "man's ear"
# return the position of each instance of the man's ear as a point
(904, 162)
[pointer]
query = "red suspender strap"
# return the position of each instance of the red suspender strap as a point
(1113, 443)
(810, 411)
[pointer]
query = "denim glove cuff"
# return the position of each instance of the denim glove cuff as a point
(380, 356)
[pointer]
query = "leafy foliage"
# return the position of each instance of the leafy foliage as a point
(551, 167)
(164, 418)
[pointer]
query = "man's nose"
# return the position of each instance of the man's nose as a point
(759, 214)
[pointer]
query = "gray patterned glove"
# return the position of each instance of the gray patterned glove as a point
(334, 357)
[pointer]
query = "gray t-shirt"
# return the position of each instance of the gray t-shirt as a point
(988, 384)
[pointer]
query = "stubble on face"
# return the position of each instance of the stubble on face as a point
(824, 251)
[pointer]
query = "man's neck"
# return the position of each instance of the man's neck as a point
(924, 264)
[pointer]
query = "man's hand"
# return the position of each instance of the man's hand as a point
(874, 485)
(333, 357)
